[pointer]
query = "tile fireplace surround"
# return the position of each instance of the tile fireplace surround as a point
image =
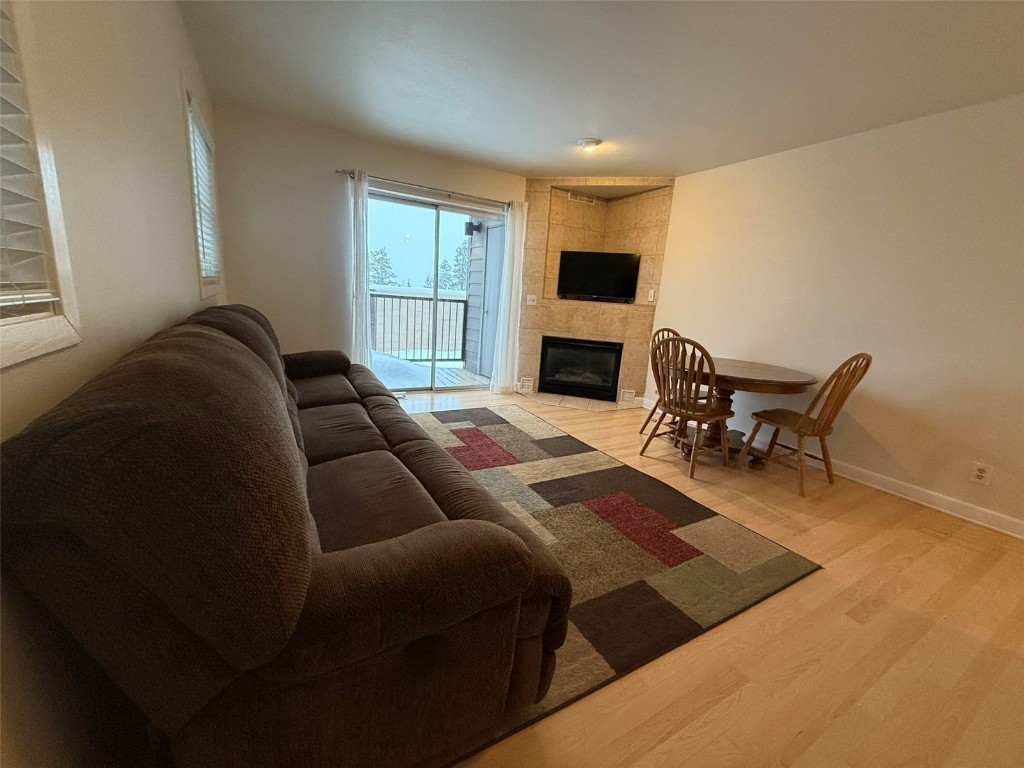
(636, 223)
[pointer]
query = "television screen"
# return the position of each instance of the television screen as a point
(594, 276)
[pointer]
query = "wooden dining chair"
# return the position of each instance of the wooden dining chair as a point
(659, 335)
(682, 370)
(830, 398)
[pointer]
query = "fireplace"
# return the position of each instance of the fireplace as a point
(580, 367)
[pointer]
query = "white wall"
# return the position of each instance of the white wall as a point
(111, 75)
(279, 202)
(906, 242)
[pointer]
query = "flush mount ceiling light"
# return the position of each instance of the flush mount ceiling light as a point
(589, 145)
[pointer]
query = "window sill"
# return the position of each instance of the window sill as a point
(31, 338)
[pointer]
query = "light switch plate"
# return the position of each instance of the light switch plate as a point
(650, 296)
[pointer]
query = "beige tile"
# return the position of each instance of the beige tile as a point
(579, 403)
(551, 266)
(529, 365)
(647, 239)
(592, 240)
(529, 341)
(639, 323)
(551, 288)
(600, 405)
(584, 320)
(574, 237)
(530, 317)
(646, 267)
(536, 234)
(534, 262)
(630, 212)
(557, 236)
(612, 323)
(548, 398)
(539, 204)
(576, 214)
(557, 316)
(556, 213)
(532, 284)
(664, 207)
(538, 184)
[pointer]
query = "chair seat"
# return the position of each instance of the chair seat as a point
(797, 423)
(707, 411)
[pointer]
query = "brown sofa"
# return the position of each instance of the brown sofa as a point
(273, 561)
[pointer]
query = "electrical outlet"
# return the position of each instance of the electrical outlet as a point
(531, 300)
(981, 474)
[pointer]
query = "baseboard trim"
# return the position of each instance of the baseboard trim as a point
(988, 518)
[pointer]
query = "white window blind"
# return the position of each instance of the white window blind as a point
(28, 287)
(204, 198)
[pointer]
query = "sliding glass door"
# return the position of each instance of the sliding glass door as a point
(429, 302)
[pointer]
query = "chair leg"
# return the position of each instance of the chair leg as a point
(653, 433)
(828, 461)
(650, 416)
(695, 449)
(774, 440)
(800, 460)
(750, 441)
(725, 442)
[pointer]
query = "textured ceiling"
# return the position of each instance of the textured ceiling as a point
(671, 87)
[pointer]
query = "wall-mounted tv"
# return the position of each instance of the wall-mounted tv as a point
(594, 276)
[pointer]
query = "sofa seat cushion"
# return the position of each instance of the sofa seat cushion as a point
(332, 431)
(365, 498)
(366, 383)
(392, 420)
(324, 390)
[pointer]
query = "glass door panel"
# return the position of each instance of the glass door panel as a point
(430, 293)
(401, 242)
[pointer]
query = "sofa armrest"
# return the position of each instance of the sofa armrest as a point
(364, 600)
(321, 362)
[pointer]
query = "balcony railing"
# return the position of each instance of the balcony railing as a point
(400, 325)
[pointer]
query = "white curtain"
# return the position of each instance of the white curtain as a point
(355, 261)
(506, 341)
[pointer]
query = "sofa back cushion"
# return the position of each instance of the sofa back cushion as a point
(176, 467)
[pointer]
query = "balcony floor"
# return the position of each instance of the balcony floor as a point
(398, 374)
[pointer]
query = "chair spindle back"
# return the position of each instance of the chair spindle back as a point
(681, 367)
(834, 392)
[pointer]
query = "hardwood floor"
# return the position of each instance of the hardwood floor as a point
(906, 649)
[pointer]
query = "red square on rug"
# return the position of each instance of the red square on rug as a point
(479, 451)
(643, 526)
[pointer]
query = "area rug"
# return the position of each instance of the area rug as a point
(651, 568)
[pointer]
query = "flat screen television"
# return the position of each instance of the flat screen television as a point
(594, 276)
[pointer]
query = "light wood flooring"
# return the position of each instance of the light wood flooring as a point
(906, 649)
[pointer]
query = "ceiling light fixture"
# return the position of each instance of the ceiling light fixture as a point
(589, 145)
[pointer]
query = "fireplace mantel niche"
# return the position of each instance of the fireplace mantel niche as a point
(580, 367)
(634, 223)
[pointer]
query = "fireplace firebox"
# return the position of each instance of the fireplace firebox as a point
(580, 367)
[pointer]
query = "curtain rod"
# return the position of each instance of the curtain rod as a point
(450, 194)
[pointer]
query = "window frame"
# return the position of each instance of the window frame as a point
(30, 336)
(209, 285)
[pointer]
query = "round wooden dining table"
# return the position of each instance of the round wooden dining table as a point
(733, 376)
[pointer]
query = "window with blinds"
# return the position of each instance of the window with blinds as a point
(38, 309)
(27, 281)
(205, 202)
